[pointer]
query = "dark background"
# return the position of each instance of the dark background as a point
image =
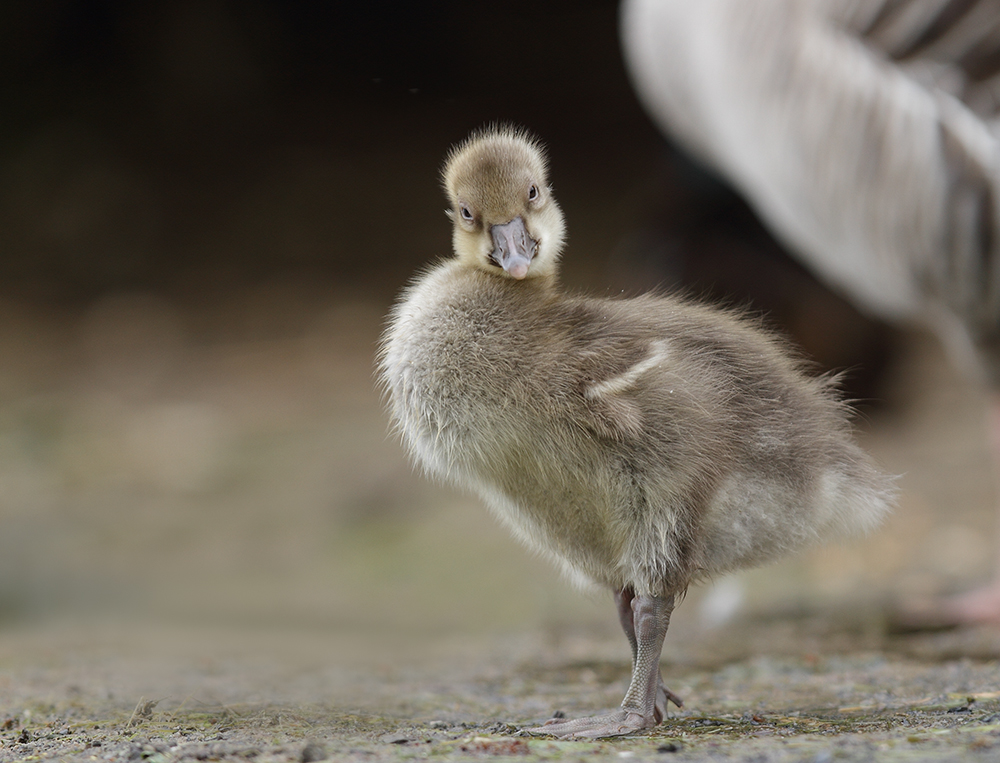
(193, 148)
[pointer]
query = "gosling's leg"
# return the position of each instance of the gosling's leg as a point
(645, 620)
(623, 601)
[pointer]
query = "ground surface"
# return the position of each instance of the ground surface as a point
(130, 695)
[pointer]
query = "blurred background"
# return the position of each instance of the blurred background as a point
(206, 209)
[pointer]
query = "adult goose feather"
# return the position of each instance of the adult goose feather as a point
(866, 134)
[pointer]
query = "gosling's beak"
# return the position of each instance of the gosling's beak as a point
(513, 248)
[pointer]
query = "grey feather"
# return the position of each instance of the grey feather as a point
(864, 132)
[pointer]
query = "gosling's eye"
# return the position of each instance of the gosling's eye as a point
(533, 192)
(466, 213)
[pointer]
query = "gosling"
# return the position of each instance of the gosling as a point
(641, 443)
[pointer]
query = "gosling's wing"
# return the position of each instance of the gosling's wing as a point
(616, 386)
(651, 371)
(863, 131)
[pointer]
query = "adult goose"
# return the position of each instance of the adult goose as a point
(865, 134)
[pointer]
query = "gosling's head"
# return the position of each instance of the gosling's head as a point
(505, 219)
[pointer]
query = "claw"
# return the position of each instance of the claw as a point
(678, 702)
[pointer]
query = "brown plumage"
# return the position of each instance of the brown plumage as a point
(641, 443)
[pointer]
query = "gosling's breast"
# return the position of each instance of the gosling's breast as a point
(480, 402)
(455, 371)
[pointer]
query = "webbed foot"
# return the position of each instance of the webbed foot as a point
(980, 606)
(612, 725)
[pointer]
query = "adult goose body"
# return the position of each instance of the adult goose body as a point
(866, 135)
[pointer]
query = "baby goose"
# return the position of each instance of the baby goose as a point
(641, 443)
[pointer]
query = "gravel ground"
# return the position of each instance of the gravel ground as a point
(752, 693)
